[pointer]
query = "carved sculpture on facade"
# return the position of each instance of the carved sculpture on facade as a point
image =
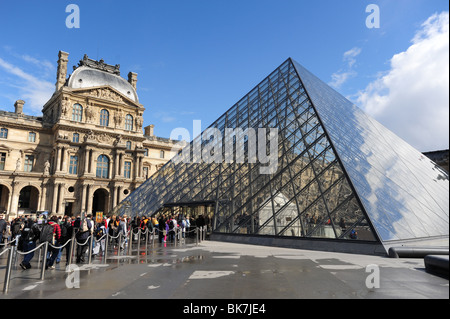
(118, 118)
(106, 94)
(46, 168)
(89, 111)
(104, 138)
(65, 107)
(118, 140)
(90, 137)
(138, 122)
(18, 164)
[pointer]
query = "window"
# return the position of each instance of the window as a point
(161, 154)
(28, 165)
(77, 113)
(104, 118)
(128, 145)
(102, 166)
(2, 161)
(32, 137)
(4, 133)
(73, 165)
(76, 138)
(145, 168)
(127, 170)
(146, 152)
(128, 122)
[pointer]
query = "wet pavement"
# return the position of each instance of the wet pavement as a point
(218, 270)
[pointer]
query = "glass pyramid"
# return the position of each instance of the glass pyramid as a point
(339, 171)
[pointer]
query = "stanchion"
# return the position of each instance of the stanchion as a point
(44, 261)
(120, 244)
(8, 269)
(72, 245)
(106, 248)
(90, 249)
(139, 241)
(147, 232)
(130, 241)
(153, 238)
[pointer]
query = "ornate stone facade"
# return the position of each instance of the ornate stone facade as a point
(86, 153)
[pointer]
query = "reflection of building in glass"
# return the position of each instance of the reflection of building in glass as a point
(343, 182)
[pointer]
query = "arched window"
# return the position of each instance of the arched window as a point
(128, 122)
(77, 113)
(102, 166)
(104, 117)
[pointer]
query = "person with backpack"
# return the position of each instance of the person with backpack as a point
(55, 242)
(85, 229)
(16, 228)
(28, 237)
(66, 235)
(100, 231)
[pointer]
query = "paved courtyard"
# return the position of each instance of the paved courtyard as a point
(218, 270)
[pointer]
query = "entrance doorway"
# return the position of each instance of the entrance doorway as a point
(4, 199)
(68, 209)
(28, 200)
(100, 202)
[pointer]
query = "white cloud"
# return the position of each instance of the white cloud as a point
(412, 98)
(340, 77)
(35, 91)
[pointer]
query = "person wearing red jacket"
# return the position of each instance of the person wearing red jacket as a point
(53, 247)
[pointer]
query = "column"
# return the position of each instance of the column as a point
(86, 161)
(60, 199)
(55, 197)
(116, 165)
(141, 164)
(58, 159)
(112, 197)
(43, 199)
(89, 199)
(13, 200)
(83, 198)
(91, 166)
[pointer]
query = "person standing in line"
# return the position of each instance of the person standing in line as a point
(29, 236)
(53, 248)
(86, 227)
(122, 229)
(66, 235)
(3, 226)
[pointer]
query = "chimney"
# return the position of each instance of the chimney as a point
(132, 79)
(19, 106)
(61, 73)
(149, 130)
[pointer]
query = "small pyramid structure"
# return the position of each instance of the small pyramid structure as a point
(341, 177)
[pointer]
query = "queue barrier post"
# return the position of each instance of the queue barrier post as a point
(8, 269)
(44, 260)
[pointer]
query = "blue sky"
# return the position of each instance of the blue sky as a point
(196, 58)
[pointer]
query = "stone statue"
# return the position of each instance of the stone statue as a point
(18, 164)
(89, 112)
(65, 106)
(46, 168)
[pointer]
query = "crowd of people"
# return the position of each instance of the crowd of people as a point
(28, 231)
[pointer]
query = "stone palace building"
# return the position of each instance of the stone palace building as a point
(87, 151)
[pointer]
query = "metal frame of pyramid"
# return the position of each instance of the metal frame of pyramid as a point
(343, 181)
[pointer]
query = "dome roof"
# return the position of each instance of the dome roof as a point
(86, 77)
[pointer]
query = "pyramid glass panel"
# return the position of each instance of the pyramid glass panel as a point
(340, 175)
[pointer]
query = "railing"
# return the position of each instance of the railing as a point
(124, 238)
